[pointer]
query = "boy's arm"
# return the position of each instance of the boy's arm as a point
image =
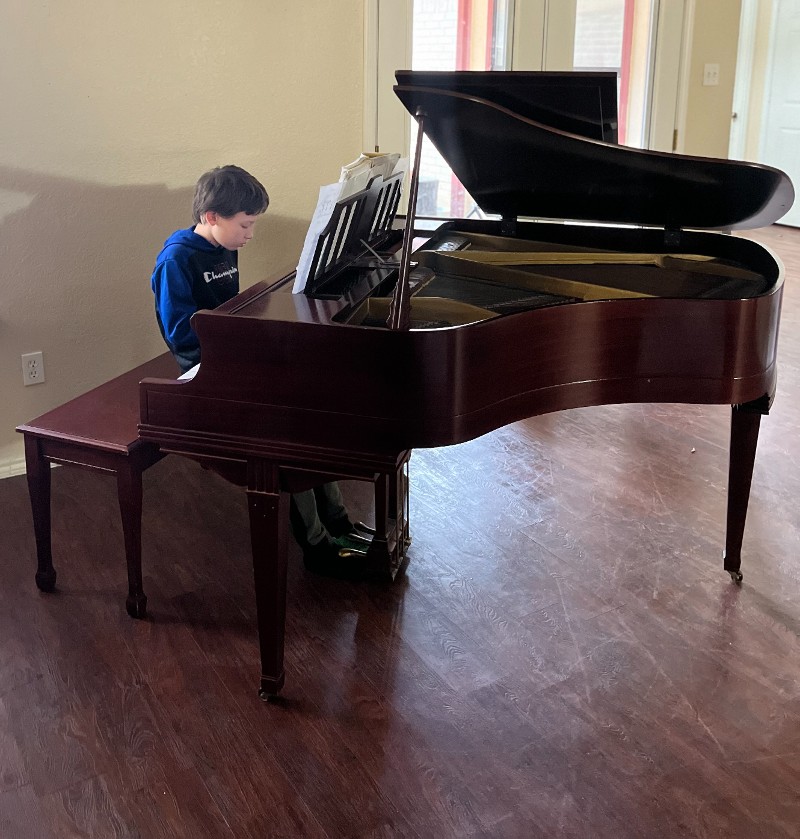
(173, 291)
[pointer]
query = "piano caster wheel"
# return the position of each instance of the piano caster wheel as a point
(268, 697)
(46, 580)
(270, 688)
(136, 607)
(736, 576)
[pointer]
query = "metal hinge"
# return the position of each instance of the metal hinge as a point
(508, 226)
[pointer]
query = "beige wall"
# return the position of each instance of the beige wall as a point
(110, 111)
(714, 40)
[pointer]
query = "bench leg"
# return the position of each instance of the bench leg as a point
(269, 522)
(129, 491)
(37, 468)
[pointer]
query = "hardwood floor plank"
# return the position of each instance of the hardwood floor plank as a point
(21, 815)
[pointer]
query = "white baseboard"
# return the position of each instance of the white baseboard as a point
(12, 467)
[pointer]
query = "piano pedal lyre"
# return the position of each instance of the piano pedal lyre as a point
(387, 555)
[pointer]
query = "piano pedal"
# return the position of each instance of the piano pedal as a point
(330, 559)
(364, 529)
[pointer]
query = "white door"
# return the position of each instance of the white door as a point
(780, 127)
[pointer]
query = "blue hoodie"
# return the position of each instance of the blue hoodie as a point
(190, 274)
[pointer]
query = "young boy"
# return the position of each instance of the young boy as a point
(198, 269)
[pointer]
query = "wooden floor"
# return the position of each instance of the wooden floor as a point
(566, 657)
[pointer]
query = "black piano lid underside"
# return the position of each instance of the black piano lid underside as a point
(516, 167)
(583, 103)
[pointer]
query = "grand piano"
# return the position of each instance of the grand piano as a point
(607, 276)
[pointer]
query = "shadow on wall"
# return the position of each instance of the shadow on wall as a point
(76, 264)
(77, 257)
(76, 261)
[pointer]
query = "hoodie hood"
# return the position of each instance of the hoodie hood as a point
(187, 239)
(190, 274)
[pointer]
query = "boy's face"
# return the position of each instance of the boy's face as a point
(231, 232)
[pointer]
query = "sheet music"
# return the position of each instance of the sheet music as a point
(328, 196)
(357, 175)
(354, 177)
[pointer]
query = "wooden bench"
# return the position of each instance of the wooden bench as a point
(98, 430)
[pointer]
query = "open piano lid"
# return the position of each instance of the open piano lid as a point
(520, 151)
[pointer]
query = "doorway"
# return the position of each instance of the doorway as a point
(779, 144)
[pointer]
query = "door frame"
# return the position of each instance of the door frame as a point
(737, 144)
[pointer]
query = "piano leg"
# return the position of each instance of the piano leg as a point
(129, 492)
(37, 468)
(269, 522)
(745, 422)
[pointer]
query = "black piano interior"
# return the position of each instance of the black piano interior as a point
(601, 274)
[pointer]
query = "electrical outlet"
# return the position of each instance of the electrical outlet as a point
(710, 74)
(32, 368)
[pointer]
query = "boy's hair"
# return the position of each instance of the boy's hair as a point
(228, 190)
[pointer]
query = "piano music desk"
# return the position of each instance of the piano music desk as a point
(97, 430)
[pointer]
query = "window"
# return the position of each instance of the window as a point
(614, 35)
(454, 35)
(640, 39)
